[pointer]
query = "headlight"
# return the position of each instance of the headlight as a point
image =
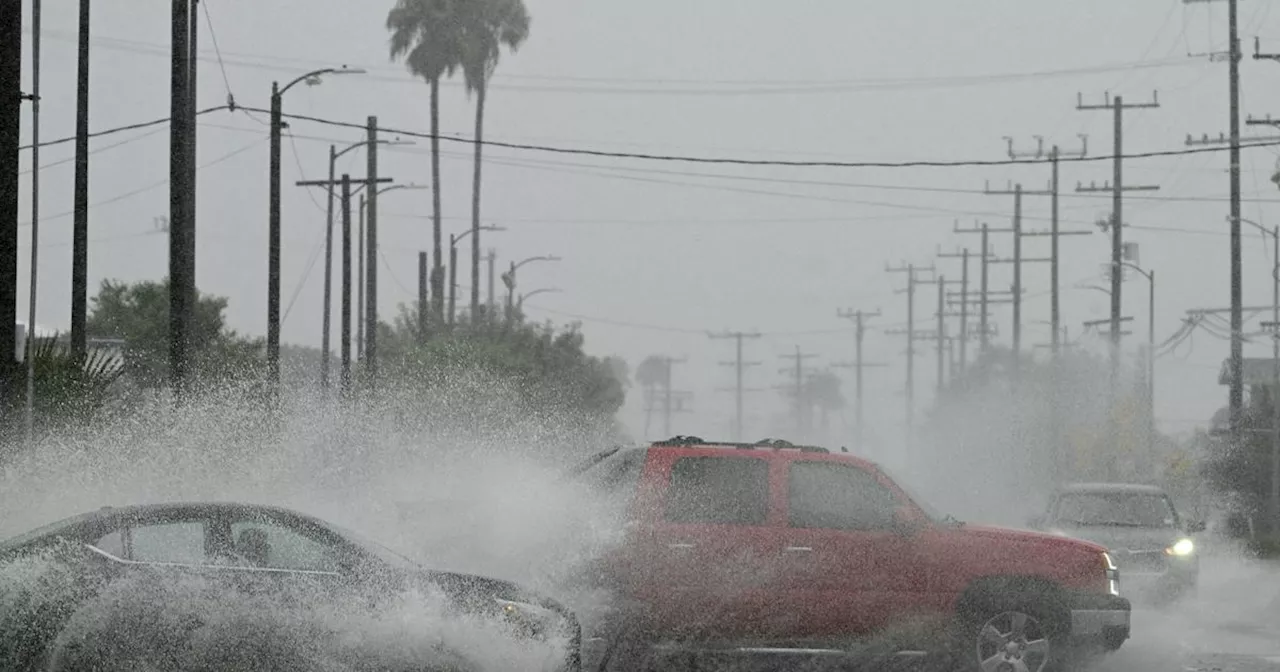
(529, 620)
(1113, 574)
(1183, 547)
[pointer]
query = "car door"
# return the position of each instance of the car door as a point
(714, 544)
(848, 570)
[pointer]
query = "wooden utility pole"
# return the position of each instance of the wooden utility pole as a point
(984, 290)
(181, 282)
(910, 291)
(859, 318)
(1235, 396)
(801, 398)
(346, 194)
(1055, 154)
(371, 264)
(1116, 222)
(80, 224)
(739, 366)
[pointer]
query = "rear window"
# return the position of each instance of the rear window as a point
(718, 491)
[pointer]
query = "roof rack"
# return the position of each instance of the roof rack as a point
(776, 444)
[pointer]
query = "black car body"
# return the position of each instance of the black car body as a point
(1153, 547)
(268, 550)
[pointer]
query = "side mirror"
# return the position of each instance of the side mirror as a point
(1196, 526)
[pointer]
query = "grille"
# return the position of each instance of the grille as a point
(1139, 561)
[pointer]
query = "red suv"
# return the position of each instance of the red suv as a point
(777, 549)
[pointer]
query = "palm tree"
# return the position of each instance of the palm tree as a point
(428, 36)
(488, 26)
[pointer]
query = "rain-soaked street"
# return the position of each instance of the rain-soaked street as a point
(1231, 625)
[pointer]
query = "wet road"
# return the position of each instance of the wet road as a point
(1231, 625)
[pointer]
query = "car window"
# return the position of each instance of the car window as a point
(718, 490)
(112, 543)
(273, 546)
(837, 496)
(181, 542)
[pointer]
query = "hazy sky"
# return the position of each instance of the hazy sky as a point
(658, 253)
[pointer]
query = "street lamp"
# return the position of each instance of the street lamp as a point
(453, 266)
(509, 278)
(1151, 358)
(273, 227)
(1274, 501)
(547, 290)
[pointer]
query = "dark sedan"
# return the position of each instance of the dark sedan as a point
(265, 550)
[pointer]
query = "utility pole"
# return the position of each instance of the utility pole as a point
(1055, 155)
(798, 390)
(181, 284)
(422, 295)
(371, 268)
(739, 366)
(345, 378)
(492, 259)
(984, 330)
(359, 356)
(11, 98)
(1018, 192)
(1235, 396)
(344, 183)
(910, 291)
(1117, 189)
(859, 318)
(80, 226)
(667, 396)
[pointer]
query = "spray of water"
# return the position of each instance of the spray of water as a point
(464, 477)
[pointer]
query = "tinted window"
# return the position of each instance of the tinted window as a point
(111, 543)
(169, 542)
(719, 490)
(268, 545)
(838, 496)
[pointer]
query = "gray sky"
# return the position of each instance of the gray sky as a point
(658, 253)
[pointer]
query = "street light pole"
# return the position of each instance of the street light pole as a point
(453, 267)
(1151, 359)
(273, 218)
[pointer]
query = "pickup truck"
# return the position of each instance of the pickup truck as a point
(775, 549)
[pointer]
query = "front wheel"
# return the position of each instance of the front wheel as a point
(1013, 640)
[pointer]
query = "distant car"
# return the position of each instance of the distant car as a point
(1153, 547)
(259, 549)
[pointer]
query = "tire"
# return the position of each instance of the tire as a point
(1014, 634)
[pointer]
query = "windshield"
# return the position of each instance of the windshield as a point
(1131, 509)
(922, 504)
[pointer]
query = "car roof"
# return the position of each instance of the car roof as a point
(1111, 488)
(148, 511)
(770, 445)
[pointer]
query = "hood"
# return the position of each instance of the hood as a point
(1027, 536)
(1129, 538)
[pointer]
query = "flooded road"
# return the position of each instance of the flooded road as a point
(1232, 624)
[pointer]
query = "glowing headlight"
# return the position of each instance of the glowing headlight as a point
(1183, 547)
(528, 619)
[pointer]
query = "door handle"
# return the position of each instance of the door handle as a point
(680, 545)
(798, 549)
